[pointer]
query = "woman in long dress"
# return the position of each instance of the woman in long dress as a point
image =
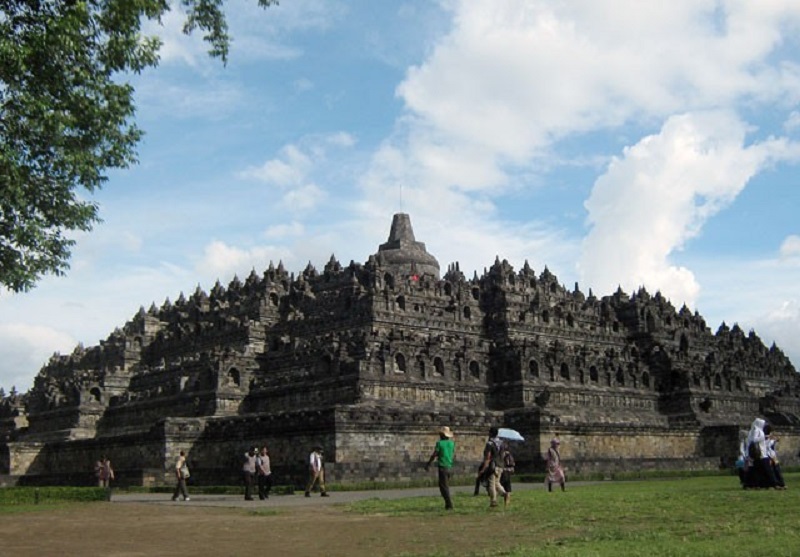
(555, 472)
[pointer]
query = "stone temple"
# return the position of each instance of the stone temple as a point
(369, 360)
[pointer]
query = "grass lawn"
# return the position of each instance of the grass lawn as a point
(696, 516)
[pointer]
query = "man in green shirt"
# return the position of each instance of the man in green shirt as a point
(443, 453)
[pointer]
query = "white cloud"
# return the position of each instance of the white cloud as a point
(304, 198)
(28, 347)
(293, 171)
(293, 229)
(512, 77)
(288, 171)
(660, 194)
(793, 121)
(790, 248)
(224, 261)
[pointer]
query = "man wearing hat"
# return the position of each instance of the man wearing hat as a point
(443, 453)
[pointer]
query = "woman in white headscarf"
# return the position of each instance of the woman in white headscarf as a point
(757, 452)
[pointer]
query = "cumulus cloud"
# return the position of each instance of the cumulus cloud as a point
(658, 196)
(287, 171)
(26, 347)
(292, 172)
(512, 78)
(224, 261)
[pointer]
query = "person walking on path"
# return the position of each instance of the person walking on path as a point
(249, 473)
(493, 466)
(508, 468)
(444, 452)
(555, 471)
(181, 474)
(264, 473)
(316, 472)
(772, 453)
(104, 472)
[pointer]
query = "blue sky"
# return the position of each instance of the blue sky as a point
(618, 143)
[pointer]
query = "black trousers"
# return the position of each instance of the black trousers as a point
(444, 487)
(248, 485)
(264, 486)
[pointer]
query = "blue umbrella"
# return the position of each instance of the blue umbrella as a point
(509, 434)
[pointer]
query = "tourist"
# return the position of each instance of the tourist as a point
(772, 453)
(508, 468)
(264, 473)
(480, 480)
(555, 471)
(181, 475)
(763, 475)
(249, 473)
(742, 465)
(104, 472)
(316, 472)
(444, 452)
(493, 466)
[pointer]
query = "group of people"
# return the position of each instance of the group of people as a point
(494, 471)
(103, 471)
(758, 463)
(257, 472)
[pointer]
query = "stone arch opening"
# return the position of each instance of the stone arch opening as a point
(399, 363)
(438, 367)
(533, 368)
(234, 377)
(474, 370)
(96, 394)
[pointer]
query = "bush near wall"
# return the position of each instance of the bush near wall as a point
(49, 495)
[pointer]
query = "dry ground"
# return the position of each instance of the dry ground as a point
(128, 530)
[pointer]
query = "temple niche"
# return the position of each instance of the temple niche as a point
(369, 359)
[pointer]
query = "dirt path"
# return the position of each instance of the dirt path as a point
(134, 525)
(142, 529)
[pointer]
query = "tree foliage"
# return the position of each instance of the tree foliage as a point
(67, 115)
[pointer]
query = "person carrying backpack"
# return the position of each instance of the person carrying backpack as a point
(493, 466)
(508, 468)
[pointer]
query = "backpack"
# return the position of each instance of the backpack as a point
(508, 462)
(754, 451)
(495, 446)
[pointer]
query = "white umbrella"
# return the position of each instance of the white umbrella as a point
(509, 434)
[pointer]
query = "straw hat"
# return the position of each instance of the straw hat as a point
(446, 432)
